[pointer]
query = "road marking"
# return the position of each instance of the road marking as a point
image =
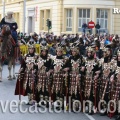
(89, 116)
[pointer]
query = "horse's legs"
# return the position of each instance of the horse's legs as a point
(9, 68)
(13, 60)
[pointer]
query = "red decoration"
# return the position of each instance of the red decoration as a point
(91, 24)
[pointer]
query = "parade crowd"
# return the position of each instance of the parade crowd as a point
(85, 67)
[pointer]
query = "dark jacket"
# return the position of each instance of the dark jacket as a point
(97, 26)
(10, 24)
(13, 29)
(84, 26)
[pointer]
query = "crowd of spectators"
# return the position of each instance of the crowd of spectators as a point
(84, 40)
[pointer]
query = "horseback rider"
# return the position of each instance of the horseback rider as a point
(8, 29)
(9, 20)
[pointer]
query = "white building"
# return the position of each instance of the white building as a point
(67, 16)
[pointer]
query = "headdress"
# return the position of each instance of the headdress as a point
(74, 46)
(9, 13)
(59, 47)
(43, 47)
(31, 46)
(91, 49)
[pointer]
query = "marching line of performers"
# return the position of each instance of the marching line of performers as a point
(83, 78)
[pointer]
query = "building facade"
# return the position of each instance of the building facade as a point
(117, 18)
(67, 16)
(17, 7)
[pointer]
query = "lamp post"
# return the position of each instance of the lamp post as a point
(24, 15)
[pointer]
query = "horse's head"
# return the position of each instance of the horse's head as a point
(6, 30)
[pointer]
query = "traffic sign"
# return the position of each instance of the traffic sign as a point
(91, 24)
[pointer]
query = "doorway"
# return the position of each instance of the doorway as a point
(31, 20)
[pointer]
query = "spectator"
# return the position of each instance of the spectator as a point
(107, 41)
(84, 26)
(97, 28)
(52, 50)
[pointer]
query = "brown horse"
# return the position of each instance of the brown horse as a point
(7, 50)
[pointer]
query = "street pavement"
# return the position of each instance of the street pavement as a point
(7, 94)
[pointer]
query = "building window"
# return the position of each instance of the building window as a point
(42, 20)
(69, 20)
(102, 18)
(48, 14)
(83, 17)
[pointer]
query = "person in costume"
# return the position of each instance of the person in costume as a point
(77, 67)
(106, 72)
(92, 74)
(115, 81)
(26, 82)
(60, 75)
(44, 64)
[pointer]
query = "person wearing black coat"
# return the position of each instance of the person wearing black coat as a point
(9, 20)
(84, 26)
(97, 26)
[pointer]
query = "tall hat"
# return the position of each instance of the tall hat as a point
(43, 47)
(74, 46)
(31, 46)
(107, 50)
(59, 47)
(91, 49)
(9, 13)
